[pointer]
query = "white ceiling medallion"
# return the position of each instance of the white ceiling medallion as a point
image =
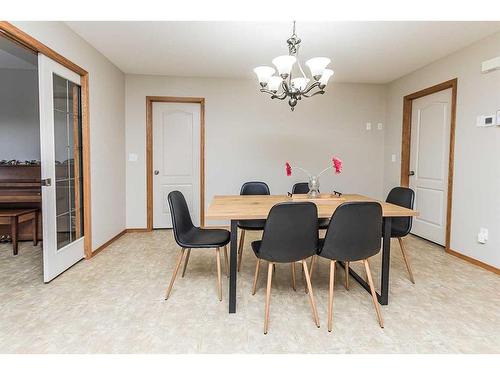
(283, 85)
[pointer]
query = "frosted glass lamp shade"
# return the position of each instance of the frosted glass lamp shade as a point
(274, 83)
(317, 65)
(327, 73)
(264, 73)
(284, 64)
(300, 83)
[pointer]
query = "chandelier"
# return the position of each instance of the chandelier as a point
(283, 85)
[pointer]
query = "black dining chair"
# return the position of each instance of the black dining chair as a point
(290, 236)
(189, 237)
(401, 226)
(303, 188)
(353, 235)
(250, 188)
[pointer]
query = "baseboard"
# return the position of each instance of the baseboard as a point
(107, 243)
(134, 230)
(474, 261)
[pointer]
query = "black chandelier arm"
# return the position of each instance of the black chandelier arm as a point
(315, 93)
(315, 84)
(274, 95)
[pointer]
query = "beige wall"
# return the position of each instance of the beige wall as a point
(249, 137)
(476, 185)
(107, 119)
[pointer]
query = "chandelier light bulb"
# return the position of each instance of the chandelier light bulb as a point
(264, 73)
(327, 73)
(284, 64)
(300, 83)
(317, 65)
(274, 83)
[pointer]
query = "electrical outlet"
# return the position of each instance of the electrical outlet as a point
(368, 126)
(482, 236)
(380, 126)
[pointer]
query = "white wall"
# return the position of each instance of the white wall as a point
(249, 137)
(107, 120)
(19, 120)
(476, 185)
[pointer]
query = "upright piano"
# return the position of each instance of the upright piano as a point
(20, 187)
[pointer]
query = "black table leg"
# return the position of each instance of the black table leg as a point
(383, 297)
(386, 262)
(232, 266)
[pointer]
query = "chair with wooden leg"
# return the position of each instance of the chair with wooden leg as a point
(250, 188)
(189, 238)
(401, 226)
(353, 235)
(290, 236)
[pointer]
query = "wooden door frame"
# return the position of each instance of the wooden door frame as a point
(406, 142)
(17, 35)
(149, 151)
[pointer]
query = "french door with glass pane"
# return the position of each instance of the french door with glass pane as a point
(61, 164)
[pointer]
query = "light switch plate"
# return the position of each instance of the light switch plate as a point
(368, 126)
(132, 157)
(498, 117)
(393, 158)
(380, 126)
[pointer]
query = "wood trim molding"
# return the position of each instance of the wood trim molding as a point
(473, 261)
(107, 243)
(149, 152)
(406, 142)
(19, 36)
(38, 47)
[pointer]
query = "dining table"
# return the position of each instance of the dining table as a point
(243, 207)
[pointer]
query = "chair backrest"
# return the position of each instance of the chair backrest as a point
(254, 188)
(354, 232)
(300, 188)
(404, 197)
(181, 219)
(290, 233)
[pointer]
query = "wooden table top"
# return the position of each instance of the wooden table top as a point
(239, 207)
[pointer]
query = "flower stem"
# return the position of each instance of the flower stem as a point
(324, 170)
(303, 170)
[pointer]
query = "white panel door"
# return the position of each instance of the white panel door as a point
(61, 167)
(176, 158)
(429, 160)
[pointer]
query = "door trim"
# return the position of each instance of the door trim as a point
(19, 36)
(406, 141)
(149, 151)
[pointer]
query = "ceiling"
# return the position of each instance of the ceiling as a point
(374, 52)
(13, 56)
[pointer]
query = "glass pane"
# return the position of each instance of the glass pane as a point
(63, 198)
(63, 224)
(68, 151)
(60, 94)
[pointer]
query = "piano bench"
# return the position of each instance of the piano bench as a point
(14, 217)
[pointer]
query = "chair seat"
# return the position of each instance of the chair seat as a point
(252, 224)
(397, 229)
(256, 246)
(197, 238)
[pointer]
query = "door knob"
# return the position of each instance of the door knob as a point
(412, 173)
(157, 172)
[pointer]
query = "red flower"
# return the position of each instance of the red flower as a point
(288, 169)
(337, 164)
